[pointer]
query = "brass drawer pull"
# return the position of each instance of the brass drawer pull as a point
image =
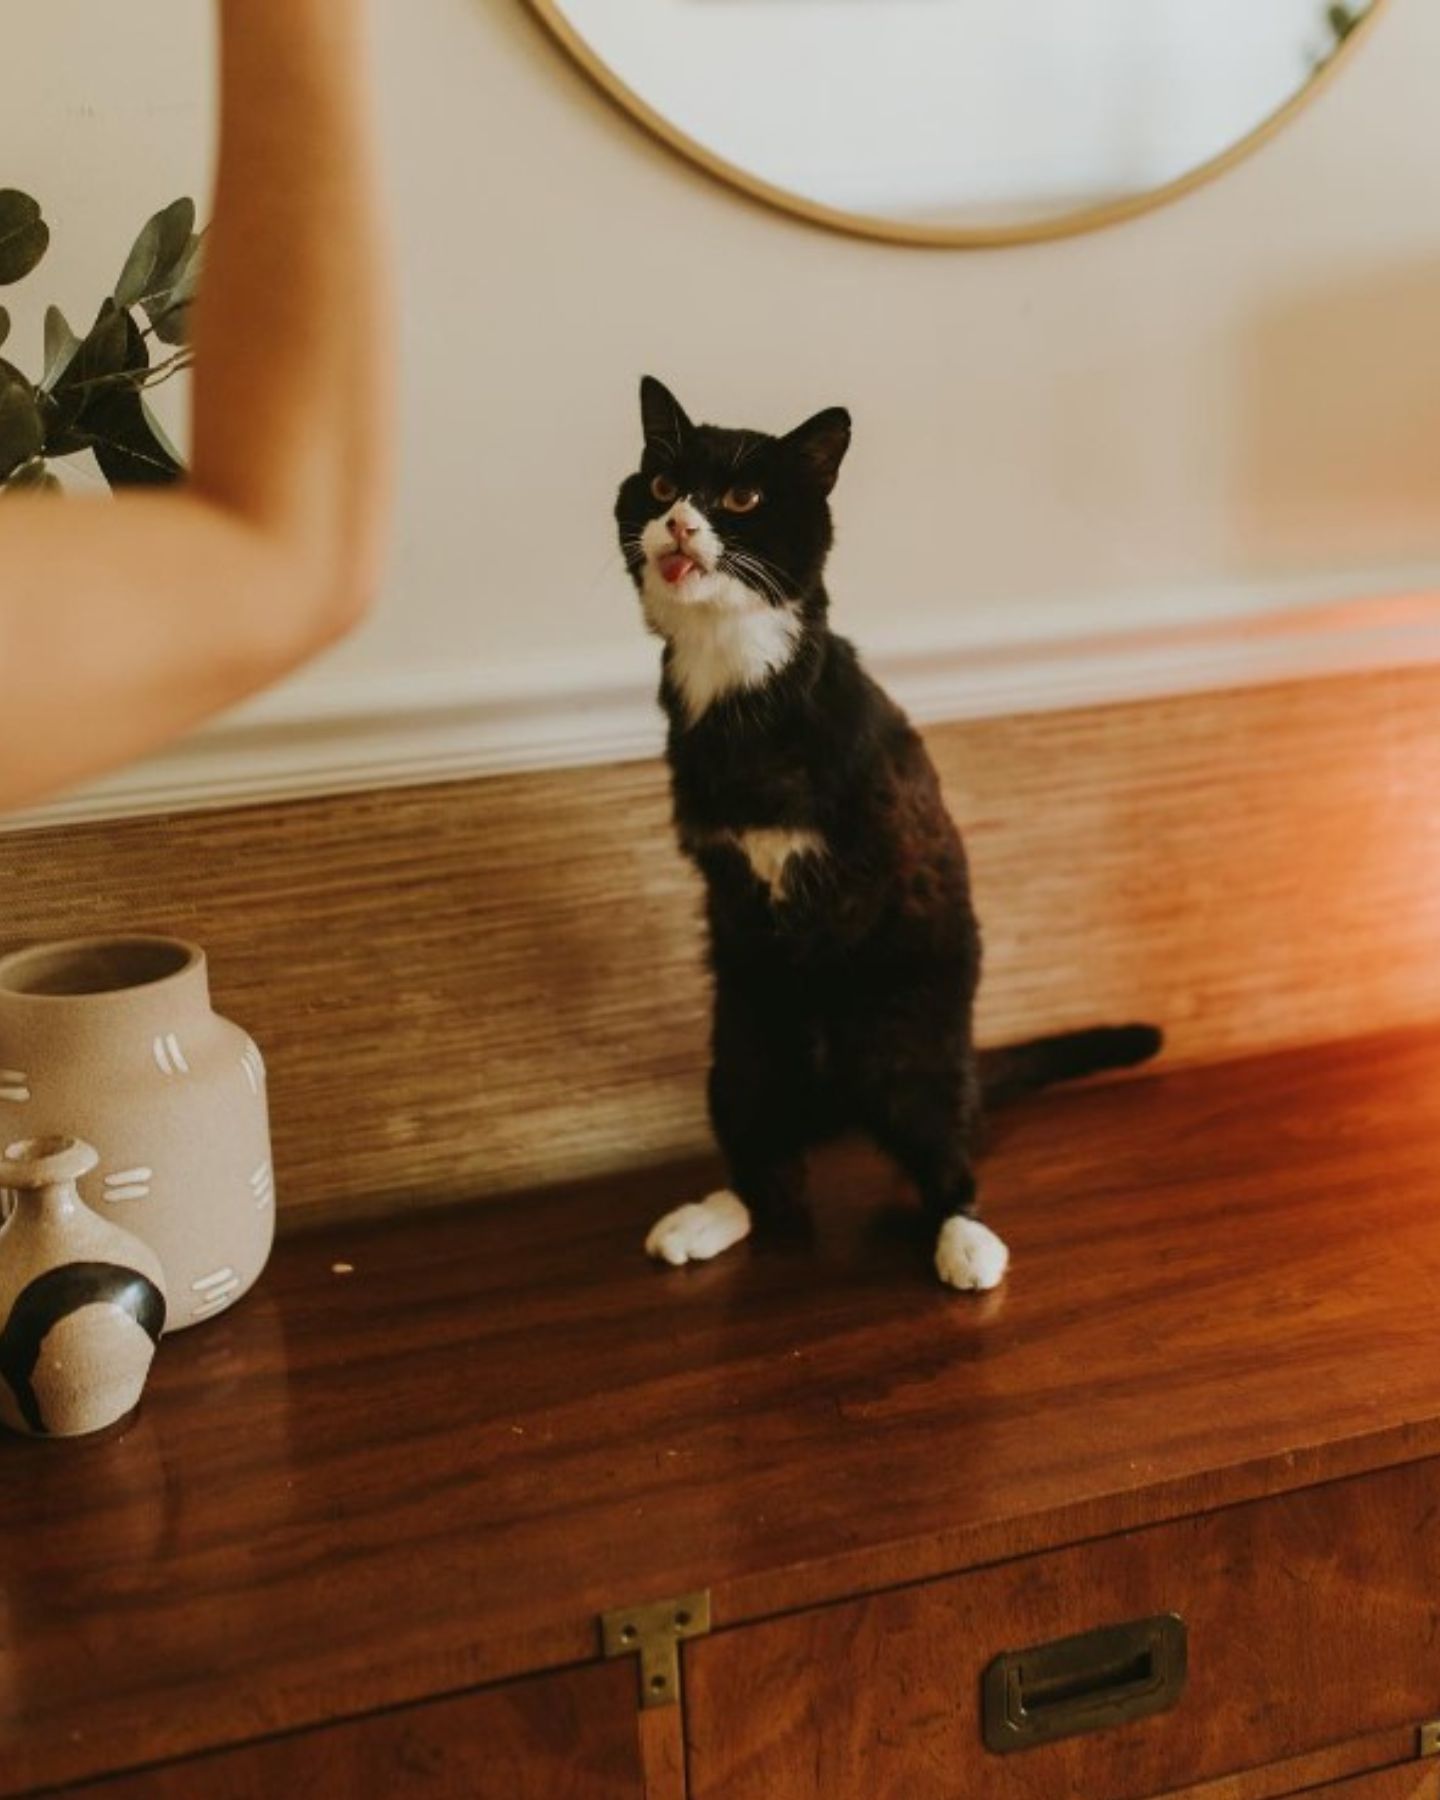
(1085, 1683)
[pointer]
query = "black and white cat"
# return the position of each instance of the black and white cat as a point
(843, 942)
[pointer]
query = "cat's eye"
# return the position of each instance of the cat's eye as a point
(664, 489)
(742, 499)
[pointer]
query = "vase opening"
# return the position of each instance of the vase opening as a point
(95, 966)
(40, 1162)
(30, 1150)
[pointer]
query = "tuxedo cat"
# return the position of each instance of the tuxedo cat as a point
(843, 943)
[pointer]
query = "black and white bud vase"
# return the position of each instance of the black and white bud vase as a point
(82, 1302)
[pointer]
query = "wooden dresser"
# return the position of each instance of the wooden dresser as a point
(857, 1538)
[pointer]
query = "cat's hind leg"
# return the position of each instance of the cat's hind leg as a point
(924, 1131)
(969, 1256)
(918, 1093)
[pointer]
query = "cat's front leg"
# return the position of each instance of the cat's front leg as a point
(699, 1230)
(763, 1189)
(702, 1229)
(761, 1109)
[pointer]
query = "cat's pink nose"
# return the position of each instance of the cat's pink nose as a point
(680, 529)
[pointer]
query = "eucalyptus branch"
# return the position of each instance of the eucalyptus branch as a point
(163, 372)
(90, 394)
(138, 379)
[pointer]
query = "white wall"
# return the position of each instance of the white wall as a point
(1241, 386)
(1230, 400)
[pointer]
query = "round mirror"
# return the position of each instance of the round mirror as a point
(960, 121)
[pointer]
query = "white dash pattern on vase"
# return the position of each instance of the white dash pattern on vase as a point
(215, 1291)
(262, 1185)
(129, 1184)
(253, 1064)
(14, 1085)
(169, 1057)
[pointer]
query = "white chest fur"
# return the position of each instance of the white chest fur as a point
(721, 645)
(775, 854)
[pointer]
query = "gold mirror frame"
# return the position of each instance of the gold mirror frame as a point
(897, 232)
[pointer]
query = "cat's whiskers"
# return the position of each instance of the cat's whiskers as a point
(756, 561)
(742, 563)
(755, 572)
(633, 556)
(772, 569)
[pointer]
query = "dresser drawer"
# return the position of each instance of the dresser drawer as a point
(1310, 1618)
(571, 1736)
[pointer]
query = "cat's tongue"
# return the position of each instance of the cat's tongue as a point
(675, 567)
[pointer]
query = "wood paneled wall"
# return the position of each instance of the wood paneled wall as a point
(481, 987)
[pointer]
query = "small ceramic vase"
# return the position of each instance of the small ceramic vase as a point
(82, 1303)
(115, 1041)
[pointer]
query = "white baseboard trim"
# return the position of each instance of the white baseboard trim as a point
(380, 731)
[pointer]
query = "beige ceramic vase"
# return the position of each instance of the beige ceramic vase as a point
(114, 1040)
(82, 1303)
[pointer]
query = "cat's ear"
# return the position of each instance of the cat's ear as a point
(821, 444)
(664, 418)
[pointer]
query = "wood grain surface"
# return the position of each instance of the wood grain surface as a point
(662, 1752)
(487, 987)
(426, 1454)
(567, 1736)
(1311, 1617)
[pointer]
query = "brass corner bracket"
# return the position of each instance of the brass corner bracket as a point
(654, 1634)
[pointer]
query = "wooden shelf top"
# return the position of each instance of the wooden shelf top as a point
(427, 1453)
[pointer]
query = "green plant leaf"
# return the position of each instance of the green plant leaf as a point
(112, 347)
(61, 348)
(190, 268)
(173, 324)
(59, 415)
(107, 349)
(173, 327)
(129, 448)
(22, 432)
(116, 424)
(161, 435)
(33, 477)
(169, 312)
(150, 268)
(24, 236)
(4, 324)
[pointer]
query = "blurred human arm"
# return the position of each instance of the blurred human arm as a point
(124, 623)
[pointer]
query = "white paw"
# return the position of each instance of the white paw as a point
(970, 1256)
(699, 1231)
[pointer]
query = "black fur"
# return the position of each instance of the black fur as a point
(846, 1003)
(1013, 1070)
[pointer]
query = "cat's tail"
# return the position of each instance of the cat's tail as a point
(1015, 1069)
